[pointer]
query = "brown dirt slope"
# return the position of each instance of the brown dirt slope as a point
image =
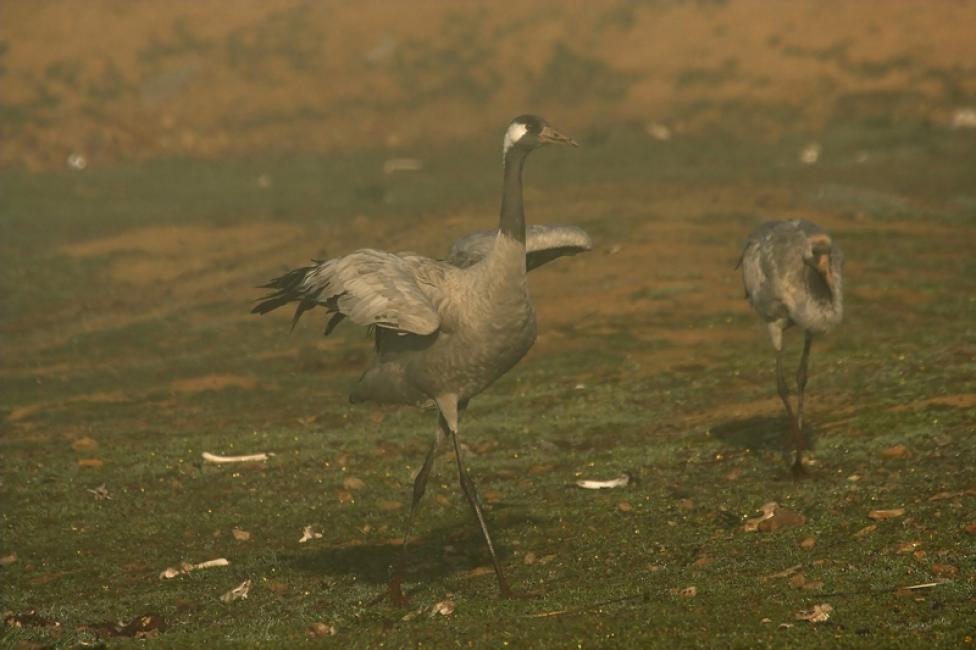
(115, 80)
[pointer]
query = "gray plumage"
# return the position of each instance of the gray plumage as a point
(793, 275)
(543, 243)
(445, 330)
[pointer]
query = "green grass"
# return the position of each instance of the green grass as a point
(594, 404)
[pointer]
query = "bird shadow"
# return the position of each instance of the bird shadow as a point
(759, 432)
(438, 553)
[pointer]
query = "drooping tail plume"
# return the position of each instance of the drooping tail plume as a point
(290, 287)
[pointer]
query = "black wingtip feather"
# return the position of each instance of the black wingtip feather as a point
(286, 289)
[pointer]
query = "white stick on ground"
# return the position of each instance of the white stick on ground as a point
(186, 567)
(620, 481)
(214, 458)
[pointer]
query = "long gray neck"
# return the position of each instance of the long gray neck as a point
(512, 220)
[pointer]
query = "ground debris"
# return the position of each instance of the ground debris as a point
(240, 534)
(144, 626)
(774, 517)
(101, 493)
(237, 593)
(308, 533)
(443, 608)
(186, 567)
(85, 443)
(819, 614)
(29, 619)
(879, 515)
(939, 496)
(785, 573)
(214, 458)
(7, 560)
(896, 452)
(864, 532)
(320, 630)
(589, 484)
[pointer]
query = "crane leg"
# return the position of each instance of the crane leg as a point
(471, 491)
(801, 384)
(784, 394)
(394, 592)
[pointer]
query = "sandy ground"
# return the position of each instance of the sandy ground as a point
(109, 80)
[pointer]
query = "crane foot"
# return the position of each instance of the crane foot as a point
(393, 592)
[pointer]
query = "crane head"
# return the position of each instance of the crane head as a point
(531, 131)
(818, 256)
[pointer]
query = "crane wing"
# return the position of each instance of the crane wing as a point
(543, 243)
(370, 287)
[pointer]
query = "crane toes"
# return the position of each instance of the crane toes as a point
(799, 469)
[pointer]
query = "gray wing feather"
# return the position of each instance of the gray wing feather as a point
(373, 287)
(542, 244)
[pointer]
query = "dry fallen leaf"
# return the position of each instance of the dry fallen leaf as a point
(320, 630)
(878, 515)
(85, 443)
(945, 570)
(798, 581)
(444, 608)
(479, 571)
(493, 496)
(529, 558)
(353, 483)
(752, 525)
(970, 528)
(237, 593)
(390, 506)
(864, 532)
(782, 518)
(101, 493)
(620, 481)
(7, 560)
(819, 614)
(939, 496)
(687, 592)
(278, 588)
(907, 547)
(808, 543)
(308, 533)
(624, 506)
(90, 462)
(896, 452)
(345, 496)
(785, 573)
(240, 535)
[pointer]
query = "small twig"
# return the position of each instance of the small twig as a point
(214, 458)
(880, 590)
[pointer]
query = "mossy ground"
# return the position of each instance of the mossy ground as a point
(125, 324)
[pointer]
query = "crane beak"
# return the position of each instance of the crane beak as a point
(550, 135)
(821, 264)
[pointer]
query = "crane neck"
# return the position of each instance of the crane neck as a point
(512, 220)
